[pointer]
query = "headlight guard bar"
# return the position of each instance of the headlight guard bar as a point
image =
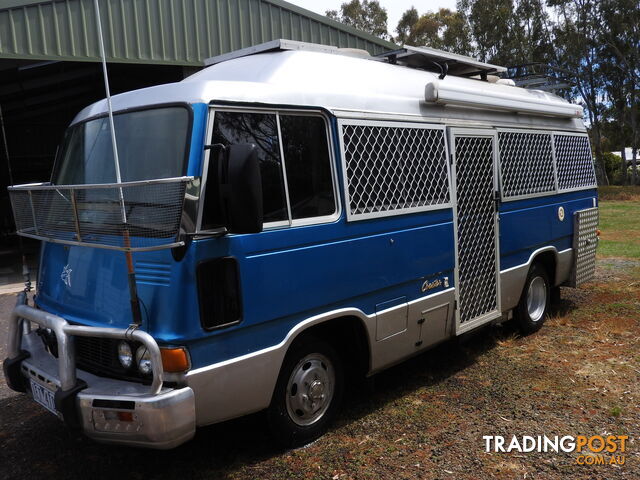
(66, 346)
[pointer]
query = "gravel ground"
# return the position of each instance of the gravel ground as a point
(580, 375)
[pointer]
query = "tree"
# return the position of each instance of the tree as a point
(367, 16)
(534, 35)
(620, 61)
(443, 29)
(579, 50)
(598, 41)
(405, 26)
(509, 32)
(494, 29)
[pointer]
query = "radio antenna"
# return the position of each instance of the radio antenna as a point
(133, 290)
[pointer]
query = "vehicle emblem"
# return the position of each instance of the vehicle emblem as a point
(427, 285)
(561, 214)
(65, 276)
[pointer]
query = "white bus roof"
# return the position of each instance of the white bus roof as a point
(352, 86)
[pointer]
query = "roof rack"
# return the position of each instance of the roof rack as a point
(540, 76)
(272, 46)
(431, 59)
(423, 58)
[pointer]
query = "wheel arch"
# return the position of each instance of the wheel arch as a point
(222, 392)
(512, 280)
(549, 261)
(347, 332)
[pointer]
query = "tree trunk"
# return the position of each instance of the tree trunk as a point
(634, 136)
(601, 171)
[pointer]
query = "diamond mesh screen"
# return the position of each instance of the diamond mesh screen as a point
(526, 164)
(477, 280)
(394, 168)
(574, 162)
(585, 241)
(92, 214)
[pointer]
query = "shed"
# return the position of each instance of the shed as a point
(49, 58)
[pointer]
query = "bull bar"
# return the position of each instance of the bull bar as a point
(172, 409)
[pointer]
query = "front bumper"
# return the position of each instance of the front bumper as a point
(107, 410)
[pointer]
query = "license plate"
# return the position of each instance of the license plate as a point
(44, 397)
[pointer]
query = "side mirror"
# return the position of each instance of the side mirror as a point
(241, 188)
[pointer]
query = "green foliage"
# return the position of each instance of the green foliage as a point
(367, 16)
(612, 164)
(443, 29)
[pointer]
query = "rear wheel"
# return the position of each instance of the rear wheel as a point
(533, 306)
(307, 394)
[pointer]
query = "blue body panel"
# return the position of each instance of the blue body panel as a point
(286, 274)
(526, 225)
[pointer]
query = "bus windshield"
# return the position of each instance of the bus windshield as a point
(151, 143)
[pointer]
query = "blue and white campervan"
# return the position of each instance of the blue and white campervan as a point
(292, 216)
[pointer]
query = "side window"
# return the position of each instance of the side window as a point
(307, 161)
(260, 129)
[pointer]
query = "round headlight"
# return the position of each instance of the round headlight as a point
(125, 355)
(143, 360)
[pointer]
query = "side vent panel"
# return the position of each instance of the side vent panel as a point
(219, 293)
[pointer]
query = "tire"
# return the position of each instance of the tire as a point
(533, 307)
(312, 368)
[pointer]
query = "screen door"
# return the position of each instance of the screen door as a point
(476, 227)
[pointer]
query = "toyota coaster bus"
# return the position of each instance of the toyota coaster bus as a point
(289, 218)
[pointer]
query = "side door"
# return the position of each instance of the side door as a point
(476, 226)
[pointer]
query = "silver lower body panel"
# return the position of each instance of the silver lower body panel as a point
(512, 280)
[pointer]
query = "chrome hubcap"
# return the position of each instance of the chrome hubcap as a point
(310, 389)
(536, 298)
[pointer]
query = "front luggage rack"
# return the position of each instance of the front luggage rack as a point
(92, 215)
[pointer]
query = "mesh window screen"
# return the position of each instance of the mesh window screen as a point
(394, 168)
(574, 162)
(526, 164)
(476, 227)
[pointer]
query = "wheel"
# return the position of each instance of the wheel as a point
(533, 306)
(307, 394)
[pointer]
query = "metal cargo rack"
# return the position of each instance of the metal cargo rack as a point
(92, 215)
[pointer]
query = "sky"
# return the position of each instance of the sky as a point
(395, 8)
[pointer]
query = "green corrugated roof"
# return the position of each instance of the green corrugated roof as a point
(174, 32)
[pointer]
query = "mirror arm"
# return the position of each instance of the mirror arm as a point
(210, 146)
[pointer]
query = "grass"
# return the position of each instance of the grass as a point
(620, 227)
(616, 192)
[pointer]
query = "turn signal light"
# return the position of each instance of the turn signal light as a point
(598, 232)
(125, 416)
(174, 359)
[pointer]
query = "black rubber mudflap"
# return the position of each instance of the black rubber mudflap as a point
(12, 372)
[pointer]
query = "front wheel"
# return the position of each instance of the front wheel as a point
(533, 306)
(307, 394)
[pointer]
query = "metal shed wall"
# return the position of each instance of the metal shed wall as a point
(172, 32)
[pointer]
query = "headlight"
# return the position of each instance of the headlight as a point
(125, 355)
(143, 360)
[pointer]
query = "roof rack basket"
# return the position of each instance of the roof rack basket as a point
(541, 76)
(91, 215)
